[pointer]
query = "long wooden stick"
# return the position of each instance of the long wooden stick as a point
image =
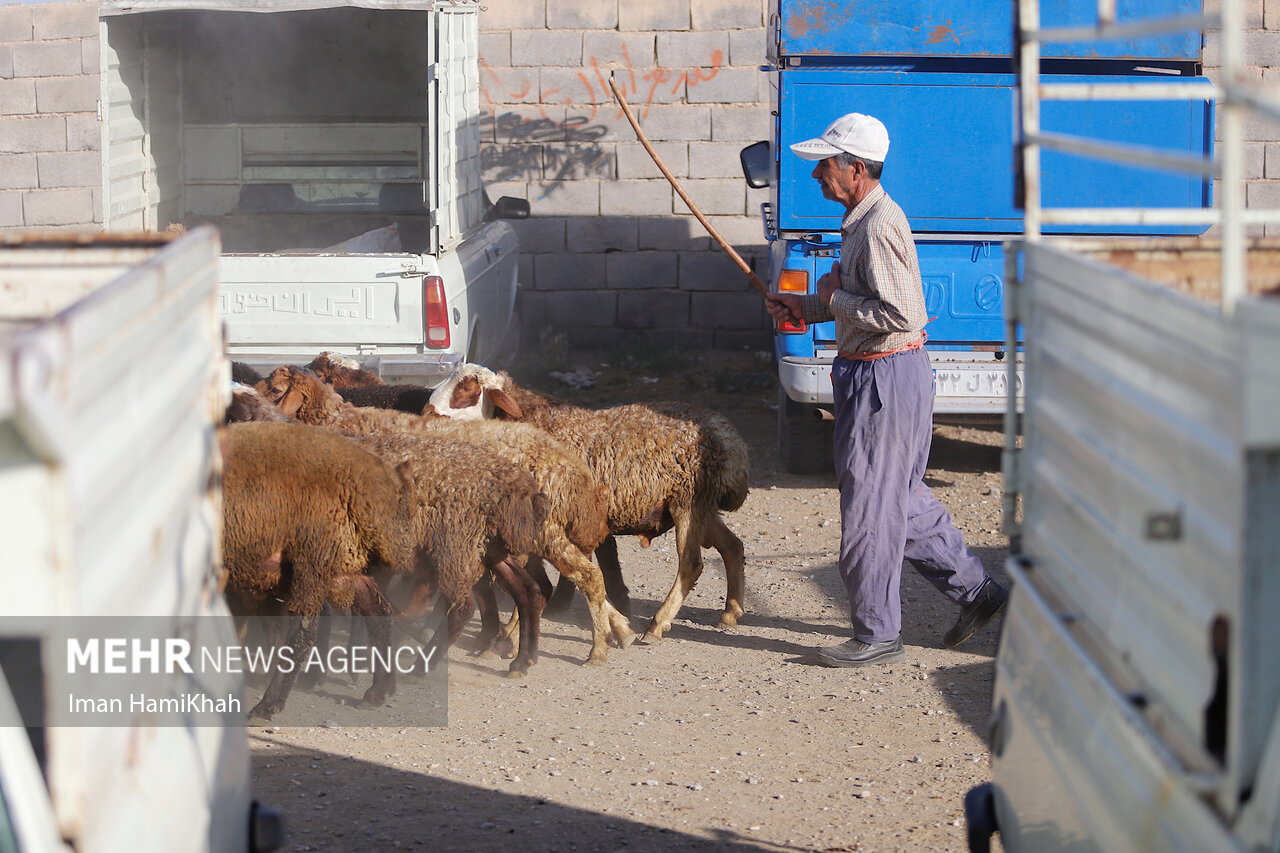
(715, 235)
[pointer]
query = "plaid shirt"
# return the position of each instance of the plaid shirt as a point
(880, 303)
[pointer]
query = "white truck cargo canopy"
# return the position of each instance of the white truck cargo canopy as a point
(126, 7)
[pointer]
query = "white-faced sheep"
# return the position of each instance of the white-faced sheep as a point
(666, 465)
(306, 513)
(472, 512)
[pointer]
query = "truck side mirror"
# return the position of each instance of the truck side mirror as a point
(508, 207)
(757, 164)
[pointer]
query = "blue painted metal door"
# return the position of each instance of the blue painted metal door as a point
(951, 149)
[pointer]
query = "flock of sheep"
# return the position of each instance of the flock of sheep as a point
(338, 488)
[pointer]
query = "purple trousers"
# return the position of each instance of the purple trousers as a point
(884, 425)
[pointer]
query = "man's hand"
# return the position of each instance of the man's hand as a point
(783, 307)
(828, 285)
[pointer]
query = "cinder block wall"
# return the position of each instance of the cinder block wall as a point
(612, 253)
(50, 160)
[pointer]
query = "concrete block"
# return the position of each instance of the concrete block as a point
(602, 234)
(636, 198)
(546, 47)
(90, 56)
(715, 160)
(712, 271)
(69, 169)
(541, 235)
(1271, 164)
(529, 124)
(58, 207)
(502, 84)
(729, 86)
(1262, 48)
(570, 271)
(6, 61)
(18, 171)
(11, 210)
(47, 59)
(78, 94)
(667, 15)
(98, 218)
(666, 310)
(573, 86)
(728, 14)
(584, 308)
(634, 161)
(715, 196)
(744, 233)
(743, 123)
(65, 20)
(16, 23)
(510, 164)
(23, 135)
(670, 234)
(577, 15)
(1264, 194)
(565, 198)
(642, 270)
(624, 51)
(498, 15)
(727, 310)
(759, 340)
(575, 162)
(495, 49)
(533, 314)
(693, 50)
(17, 97)
(644, 87)
(674, 123)
(747, 47)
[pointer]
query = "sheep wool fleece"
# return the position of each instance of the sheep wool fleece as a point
(883, 429)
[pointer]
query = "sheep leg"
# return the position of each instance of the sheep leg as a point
(302, 638)
(561, 599)
(529, 603)
(614, 587)
(324, 634)
(717, 535)
(606, 621)
(490, 618)
(377, 612)
(688, 547)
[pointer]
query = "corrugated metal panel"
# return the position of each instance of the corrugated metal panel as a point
(127, 7)
(457, 88)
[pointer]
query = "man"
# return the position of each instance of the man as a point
(883, 386)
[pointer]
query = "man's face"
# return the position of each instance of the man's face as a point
(839, 183)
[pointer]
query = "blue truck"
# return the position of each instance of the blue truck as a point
(940, 74)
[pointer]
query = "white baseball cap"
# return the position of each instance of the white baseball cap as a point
(862, 136)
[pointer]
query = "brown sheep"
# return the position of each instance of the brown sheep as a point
(577, 520)
(342, 372)
(306, 513)
(666, 465)
(299, 393)
(472, 512)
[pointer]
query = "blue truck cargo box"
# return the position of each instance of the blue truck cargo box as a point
(951, 153)
(965, 28)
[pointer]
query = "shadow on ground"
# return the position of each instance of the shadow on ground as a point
(409, 810)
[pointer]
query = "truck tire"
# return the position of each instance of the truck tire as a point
(804, 440)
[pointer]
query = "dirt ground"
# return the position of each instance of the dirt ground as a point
(710, 739)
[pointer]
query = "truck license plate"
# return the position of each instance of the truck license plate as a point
(971, 381)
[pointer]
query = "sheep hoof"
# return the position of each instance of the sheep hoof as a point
(654, 633)
(596, 659)
(366, 705)
(729, 620)
(486, 654)
(261, 713)
(625, 639)
(517, 672)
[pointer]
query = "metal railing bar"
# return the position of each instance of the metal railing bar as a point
(1136, 154)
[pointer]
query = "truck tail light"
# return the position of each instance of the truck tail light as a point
(793, 281)
(435, 312)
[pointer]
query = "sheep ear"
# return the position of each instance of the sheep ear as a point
(292, 401)
(502, 400)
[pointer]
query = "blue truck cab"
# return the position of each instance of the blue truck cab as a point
(940, 75)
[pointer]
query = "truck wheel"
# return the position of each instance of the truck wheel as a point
(804, 441)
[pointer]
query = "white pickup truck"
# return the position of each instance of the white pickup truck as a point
(337, 150)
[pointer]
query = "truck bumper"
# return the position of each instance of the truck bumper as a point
(965, 382)
(394, 369)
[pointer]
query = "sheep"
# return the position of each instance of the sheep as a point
(577, 520)
(248, 405)
(472, 512)
(244, 374)
(342, 372)
(469, 400)
(306, 512)
(299, 393)
(666, 465)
